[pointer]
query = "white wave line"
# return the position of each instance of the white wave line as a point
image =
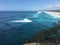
(25, 20)
(53, 15)
(37, 14)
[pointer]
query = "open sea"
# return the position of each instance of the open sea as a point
(19, 26)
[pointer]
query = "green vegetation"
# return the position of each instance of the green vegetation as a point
(47, 35)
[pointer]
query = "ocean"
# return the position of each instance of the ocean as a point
(19, 26)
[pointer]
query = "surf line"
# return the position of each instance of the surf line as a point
(54, 15)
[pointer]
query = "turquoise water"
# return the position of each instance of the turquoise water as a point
(14, 33)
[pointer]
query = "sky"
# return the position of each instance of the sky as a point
(28, 5)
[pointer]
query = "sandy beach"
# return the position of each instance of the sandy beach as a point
(56, 13)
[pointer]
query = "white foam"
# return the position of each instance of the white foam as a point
(38, 12)
(53, 15)
(36, 15)
(25, 20)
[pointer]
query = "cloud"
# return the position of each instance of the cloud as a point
(55, 6)
(23, 21)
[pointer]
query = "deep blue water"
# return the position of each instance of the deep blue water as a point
(12, 33)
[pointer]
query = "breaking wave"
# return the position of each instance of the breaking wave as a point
(37, 14)
(53, 15)
(25, 20)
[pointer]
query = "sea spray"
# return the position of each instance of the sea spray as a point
(36, 15)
